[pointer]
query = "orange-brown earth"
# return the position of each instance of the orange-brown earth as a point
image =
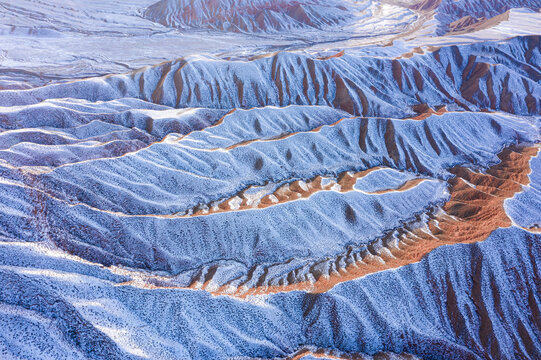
(426, 111)
(474, 210)
(296, 190)
(335, 355)
(469, 24)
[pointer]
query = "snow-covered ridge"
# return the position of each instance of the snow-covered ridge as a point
(463, 13)
(494, 76)
(258, 179)
(439, 307)
(249, 15)
(268, 16)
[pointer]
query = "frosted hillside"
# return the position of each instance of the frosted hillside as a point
(270, 179)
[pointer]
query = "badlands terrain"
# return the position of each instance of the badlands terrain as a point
(270, 179)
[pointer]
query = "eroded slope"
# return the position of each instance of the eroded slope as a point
(280, 206)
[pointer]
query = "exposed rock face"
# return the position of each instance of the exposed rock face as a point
(265, 16)
(456, 15)
(493, 76)
(249, 15)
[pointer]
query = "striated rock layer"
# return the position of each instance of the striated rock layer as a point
(479, 77)
(464, 301)
(249, 15)
(456, 15)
